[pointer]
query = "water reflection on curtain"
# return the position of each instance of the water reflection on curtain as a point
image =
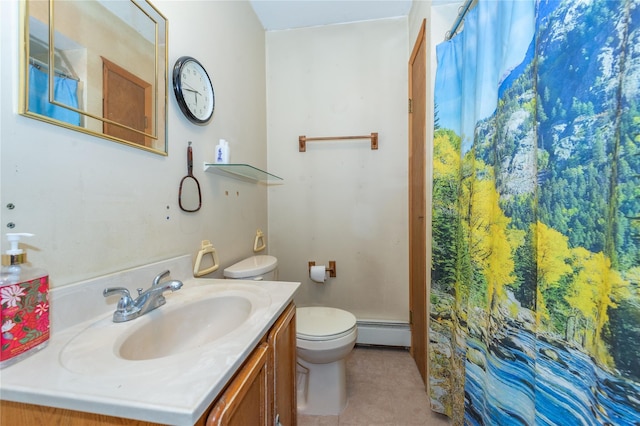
(65, 91)
(535, 303)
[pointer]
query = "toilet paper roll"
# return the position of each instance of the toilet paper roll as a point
(318, 273)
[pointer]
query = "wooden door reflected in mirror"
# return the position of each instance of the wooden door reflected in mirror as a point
(127, 101)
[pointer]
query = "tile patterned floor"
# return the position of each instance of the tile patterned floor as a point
(384, 389)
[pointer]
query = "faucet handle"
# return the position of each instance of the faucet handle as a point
(160, 276)
(116, 290)
(125, 301)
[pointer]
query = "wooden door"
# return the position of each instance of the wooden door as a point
(126, 100)
(245, 401)
(417, 203)
(282, 341)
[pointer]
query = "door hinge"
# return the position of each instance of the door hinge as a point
(410, 106)
(411, 317)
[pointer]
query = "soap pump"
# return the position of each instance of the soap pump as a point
(24, 305)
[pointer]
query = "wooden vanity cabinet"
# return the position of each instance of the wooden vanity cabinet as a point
(246, 399)
(282, 339)
(262, 392)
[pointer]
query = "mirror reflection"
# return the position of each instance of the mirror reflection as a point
(98, 66)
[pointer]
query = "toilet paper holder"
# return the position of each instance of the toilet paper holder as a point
(331, 268)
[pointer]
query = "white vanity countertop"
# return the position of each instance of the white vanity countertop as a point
(175, 390)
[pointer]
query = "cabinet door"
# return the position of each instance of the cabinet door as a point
(282, 340)
(245, 401)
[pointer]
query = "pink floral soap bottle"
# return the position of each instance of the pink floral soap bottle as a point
(24, 305)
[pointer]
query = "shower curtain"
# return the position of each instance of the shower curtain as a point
(534, 301)
(65, 91)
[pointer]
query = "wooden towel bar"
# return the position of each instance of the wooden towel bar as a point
(302, 140)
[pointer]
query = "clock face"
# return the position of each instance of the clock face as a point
(193, 90)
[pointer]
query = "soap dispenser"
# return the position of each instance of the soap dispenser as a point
(24, 305)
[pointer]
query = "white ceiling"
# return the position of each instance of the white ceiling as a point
(288, 14)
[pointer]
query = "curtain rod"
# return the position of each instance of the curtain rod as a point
(461, 14)
(67, 72)
(39, 64)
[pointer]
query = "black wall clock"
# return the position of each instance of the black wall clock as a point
(193, 89)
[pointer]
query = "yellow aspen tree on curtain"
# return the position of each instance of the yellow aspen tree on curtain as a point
(553, 254)
(582, 294)
(446, 156)
(492, 246)
(594, 290)
(446, 216)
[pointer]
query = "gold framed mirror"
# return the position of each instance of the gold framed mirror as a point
(98, 67)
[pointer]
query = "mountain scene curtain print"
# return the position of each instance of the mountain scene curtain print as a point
(535, 286)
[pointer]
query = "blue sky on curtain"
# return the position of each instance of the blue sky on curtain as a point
(535, 315)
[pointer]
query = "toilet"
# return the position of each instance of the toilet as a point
(324, 338)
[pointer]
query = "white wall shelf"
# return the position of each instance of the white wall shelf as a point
(242, 172)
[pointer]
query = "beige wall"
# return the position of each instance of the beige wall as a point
(341, 201)
(97, 206)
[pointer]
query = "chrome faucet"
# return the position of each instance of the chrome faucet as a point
(147, 300)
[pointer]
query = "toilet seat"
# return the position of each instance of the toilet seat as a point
(322, 323)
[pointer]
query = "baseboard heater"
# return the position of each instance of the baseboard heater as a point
(383, 333)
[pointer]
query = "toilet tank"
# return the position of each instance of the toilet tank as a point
(257, 268)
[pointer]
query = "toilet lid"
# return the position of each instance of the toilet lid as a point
(320, 323)
(252, 266)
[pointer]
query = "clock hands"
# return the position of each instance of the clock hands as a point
(191, 89)
(196, 93)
